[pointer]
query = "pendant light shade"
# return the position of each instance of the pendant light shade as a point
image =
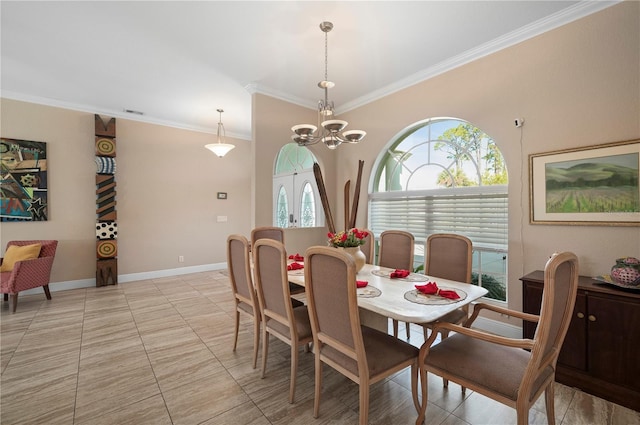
(221, 148)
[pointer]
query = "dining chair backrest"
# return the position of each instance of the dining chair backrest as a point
(368, 248)
(330, 279)
(267, 232)
(272, 284)
(290, 325)
(239, 263)
(244, 294)
(528, 366)
(556, 311)
(396, 250)
(448, 256)
(339, 340)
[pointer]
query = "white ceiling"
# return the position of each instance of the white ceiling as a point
(179, 61)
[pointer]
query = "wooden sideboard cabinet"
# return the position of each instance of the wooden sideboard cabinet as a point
(601, 352)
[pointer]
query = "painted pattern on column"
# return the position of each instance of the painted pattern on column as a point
(106, 225)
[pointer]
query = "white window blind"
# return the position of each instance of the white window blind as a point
(480, 213)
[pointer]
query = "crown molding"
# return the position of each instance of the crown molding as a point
(254, 88)
(565, 16)
(7, 94)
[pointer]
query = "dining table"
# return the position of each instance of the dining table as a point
(386, 297)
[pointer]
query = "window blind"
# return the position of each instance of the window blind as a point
(479, 213)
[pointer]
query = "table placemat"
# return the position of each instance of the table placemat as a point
(418, 297)
(299, 272)
(413, 277)
(368, 292)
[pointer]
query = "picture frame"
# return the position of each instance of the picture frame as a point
(593, 185)
(222, 195)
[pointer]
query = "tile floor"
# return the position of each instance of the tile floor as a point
(159, 352)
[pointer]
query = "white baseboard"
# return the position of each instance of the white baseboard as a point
(125, 278)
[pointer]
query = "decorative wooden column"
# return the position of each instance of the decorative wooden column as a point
(106, 225)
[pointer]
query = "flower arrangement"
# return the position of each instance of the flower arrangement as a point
(351, 238)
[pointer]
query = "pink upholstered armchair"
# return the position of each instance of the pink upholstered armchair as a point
(29, 274)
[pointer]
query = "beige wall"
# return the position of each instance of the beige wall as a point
(577, 85)
(272, 122)
(166, 192)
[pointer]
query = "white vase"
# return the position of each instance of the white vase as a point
(358, 256)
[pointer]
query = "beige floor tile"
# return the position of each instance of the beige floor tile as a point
(150, 411)
(243, 414)
(177, 365)
(203, 399)
(160, 352)
(104, 389)
(44, 399)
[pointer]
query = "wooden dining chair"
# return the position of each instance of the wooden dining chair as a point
(276, 234)
(449, 256)
(362, 354)
(368, 248)
(244, 294)
(267, 232)
(512, 371)
(396, 252)
(279, 317)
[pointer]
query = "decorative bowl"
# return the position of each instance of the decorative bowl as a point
(626, 271)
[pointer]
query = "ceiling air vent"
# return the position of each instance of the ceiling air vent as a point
(131, 111)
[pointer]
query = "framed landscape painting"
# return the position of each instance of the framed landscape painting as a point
(594, 185)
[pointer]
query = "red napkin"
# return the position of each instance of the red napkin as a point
(295, 266)
(399, 273)
(430, 288)
(296, 257)
(361, 283)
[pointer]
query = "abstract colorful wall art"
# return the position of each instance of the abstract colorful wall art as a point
(23, 180)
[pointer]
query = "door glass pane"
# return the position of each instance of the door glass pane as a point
(283, 209)
(308, 207)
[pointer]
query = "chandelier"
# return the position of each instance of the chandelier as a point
(221, 148)
(329, 130)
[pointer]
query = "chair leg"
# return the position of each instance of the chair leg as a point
(364, 402)
(265, 349)
(550, 403)
(318, 386)
(14, 302)
(6, 297)
(256, 340)
(46, 292)
(445, 382)
(408, 327)
(237, 328)
(294, 371)
(424, 386)
(395, 328)
(522, 411)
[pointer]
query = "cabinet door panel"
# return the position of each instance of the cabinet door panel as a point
(614, 332)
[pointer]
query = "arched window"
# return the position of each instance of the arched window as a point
(296, 196)
(444, 175)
